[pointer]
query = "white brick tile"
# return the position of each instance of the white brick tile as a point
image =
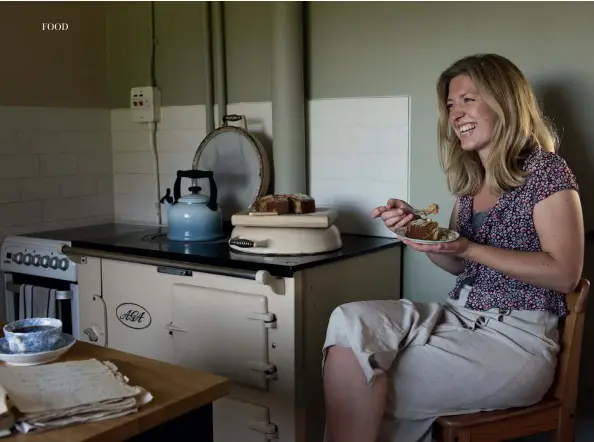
(95, 163)
(64, 119)
(382, 111)
(78, 186)
(135, 208)
(96, 206)
(41, 142)
(105, 184)
(9, 143)
(18, 166)
(359, 154)
(170, 163)
(39, 150)
(40, 188)
(183, 117)
(389, 139)
(363, 194)
(121, 119)
(16, 118)
(180, 140)
(10, 191)
(335, 112)
(330, 138)
(58, 164)
(168, 180)
(358, 166)
(258, 116)
(375, 167)
(83, 142)
(51, 142)
(74, 208)
(141, 162)
(56, 225)
(131, 141)
(133, 184)
(354, 220)
(18, 214)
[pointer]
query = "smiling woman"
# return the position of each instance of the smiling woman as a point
(488, 114)
(392, 367)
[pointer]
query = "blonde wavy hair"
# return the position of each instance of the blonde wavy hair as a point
(520, 126)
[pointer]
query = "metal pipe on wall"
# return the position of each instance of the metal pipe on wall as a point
(288, 99)
(208, 66)
(219, 57)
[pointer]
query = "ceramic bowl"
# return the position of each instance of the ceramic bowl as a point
(33, 335)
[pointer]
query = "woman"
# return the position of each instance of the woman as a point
(392, 367)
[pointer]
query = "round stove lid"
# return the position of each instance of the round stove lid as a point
(239, 163)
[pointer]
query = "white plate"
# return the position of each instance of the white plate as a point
(447, 236)
(24, 359)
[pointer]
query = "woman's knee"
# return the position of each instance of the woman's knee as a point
(361, 309)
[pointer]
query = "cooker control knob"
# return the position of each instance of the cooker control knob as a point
(45, 262)
(18, 258)
(36, 260)
(27, 259)
(64, 264)
(54, 263)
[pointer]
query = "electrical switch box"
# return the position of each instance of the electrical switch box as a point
(145, 104)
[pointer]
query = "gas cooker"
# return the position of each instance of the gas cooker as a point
(38, 257)
(150, 241)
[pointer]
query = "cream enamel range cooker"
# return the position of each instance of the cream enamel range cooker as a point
(285, 235)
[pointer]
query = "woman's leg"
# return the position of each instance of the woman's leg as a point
(354, 410)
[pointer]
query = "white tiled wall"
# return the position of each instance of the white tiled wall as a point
(55, 168)
(359, 155)
(179, 134)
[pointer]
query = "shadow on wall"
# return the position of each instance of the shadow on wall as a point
(563, 102)
(566, 103)
(256, 128)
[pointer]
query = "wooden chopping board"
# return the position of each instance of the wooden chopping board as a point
(322, 218)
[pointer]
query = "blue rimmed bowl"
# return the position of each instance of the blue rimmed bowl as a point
(33, 335)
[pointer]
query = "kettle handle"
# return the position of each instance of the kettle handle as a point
(197, 174)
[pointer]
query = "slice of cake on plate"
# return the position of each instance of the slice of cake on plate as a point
(423, 229)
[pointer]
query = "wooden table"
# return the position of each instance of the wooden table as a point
(181, 408)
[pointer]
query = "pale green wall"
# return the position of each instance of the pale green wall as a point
(380, 48)
(180, 51)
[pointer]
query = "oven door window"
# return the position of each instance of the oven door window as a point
(30, 296)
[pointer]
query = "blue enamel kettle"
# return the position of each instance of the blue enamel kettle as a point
(193, 217)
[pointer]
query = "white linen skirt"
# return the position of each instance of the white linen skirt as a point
(444, 359)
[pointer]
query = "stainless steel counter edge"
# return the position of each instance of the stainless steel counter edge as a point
(76, 254)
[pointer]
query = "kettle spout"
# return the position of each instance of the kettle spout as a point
(167, 200)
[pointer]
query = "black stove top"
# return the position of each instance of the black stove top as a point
(151, 241)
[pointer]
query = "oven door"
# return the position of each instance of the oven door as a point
(28, 296)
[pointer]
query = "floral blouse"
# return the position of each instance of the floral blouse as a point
(510, 225)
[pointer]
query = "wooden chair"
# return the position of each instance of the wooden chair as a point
(556, 412)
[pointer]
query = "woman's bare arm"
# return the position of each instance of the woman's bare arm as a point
(559, 224)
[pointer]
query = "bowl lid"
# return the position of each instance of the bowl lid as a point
(239, 163)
